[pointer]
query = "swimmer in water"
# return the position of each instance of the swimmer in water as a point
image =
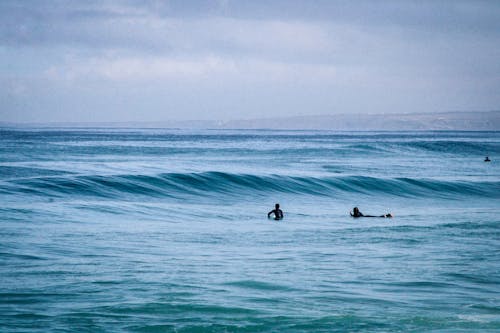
(278, 213)
(356, 213)
(487, 159)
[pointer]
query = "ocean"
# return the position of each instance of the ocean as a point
(166, 230)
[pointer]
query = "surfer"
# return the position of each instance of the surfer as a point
(278, 213)
(487, 159)
(356, 213)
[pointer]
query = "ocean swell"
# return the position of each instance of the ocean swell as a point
(180, 185)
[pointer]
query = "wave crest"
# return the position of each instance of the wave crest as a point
(179, 185)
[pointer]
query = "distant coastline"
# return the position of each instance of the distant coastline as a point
(466, 121)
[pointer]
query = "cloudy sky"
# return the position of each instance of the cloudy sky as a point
(161, 60)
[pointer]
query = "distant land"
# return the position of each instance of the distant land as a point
(467, 121)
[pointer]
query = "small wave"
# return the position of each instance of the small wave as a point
(257, 285)
(180, 185)
(10, 172)
(454, 147)
(8, 255)
(367, 148)
(475, 278)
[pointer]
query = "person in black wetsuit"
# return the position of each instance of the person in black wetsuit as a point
(487, 159)
(278, 213)
(356, 213)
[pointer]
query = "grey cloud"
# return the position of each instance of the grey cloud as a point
(202, 59)
(99, 22)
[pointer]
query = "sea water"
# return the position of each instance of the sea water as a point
(162, 230)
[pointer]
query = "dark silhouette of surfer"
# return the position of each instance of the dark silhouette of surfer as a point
(356, 213)
(487, 159)
(278, 213)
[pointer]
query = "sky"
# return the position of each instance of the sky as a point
(99, 61)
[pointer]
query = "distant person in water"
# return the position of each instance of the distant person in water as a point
(487, 159)
(278, 213)
(356, 213)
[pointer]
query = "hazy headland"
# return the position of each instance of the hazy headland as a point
(452, 121)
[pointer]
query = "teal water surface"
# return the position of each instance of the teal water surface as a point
(155, 230)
